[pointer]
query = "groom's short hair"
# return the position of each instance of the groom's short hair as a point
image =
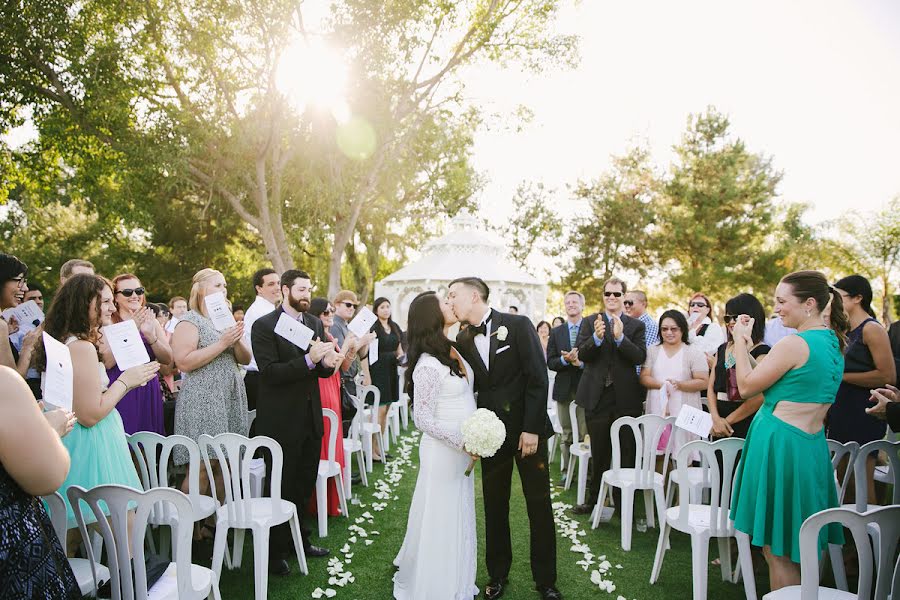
(474, 282)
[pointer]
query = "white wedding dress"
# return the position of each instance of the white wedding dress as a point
(437, 559)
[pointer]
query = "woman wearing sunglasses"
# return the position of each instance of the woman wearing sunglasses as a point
(704, 333)
(142, 408)
(732, 414)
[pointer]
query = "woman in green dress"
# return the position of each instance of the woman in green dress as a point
(785, 473)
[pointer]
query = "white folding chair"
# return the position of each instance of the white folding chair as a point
(240, 511)
(128, 574)
(88, 575)
(353, 445)
(152, 452)
(404, 399)
(883, 473)
(329, 469)
(705, 521)
(257, 465)
(646, 430)
(579, 452)
(887, 576)
(369, 427)
(392, 423)
(839, 452)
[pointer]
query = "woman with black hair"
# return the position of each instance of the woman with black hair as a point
(437, 559)
(868, 364)
(13, 286)
(384, 369)
(543, 331)
(730, 413)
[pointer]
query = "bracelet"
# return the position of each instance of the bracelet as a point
(154, 341)
(123, 383)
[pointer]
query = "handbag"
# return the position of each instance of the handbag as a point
(731, 386)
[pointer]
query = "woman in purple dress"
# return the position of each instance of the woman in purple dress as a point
(142, 408)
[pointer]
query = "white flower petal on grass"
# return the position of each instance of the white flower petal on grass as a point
(369, 542)
(330, 593)
(318, 593)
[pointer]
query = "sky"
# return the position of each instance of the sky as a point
(815, 84)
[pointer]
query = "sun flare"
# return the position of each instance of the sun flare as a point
(313, 74)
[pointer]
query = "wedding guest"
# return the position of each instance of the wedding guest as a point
(732, 414)
(167, 374)
(635, 304)
(868, 364)
(776, 331)
(785, 474)
(330, 396)
(384, 370)
(705, 333)
(142, 408)
(568, 368)
(178, 306)
(674, 373)
(212, 399)
(32, 561)
(13, 283)
(36, 293)
(266, 284)
(513, 310)
(237, 311)
(894, 336)
(345, 304)
(76, 266)
(26, 347)
(611, 345)
(290, 407)
(557, 321)
(97, 443)
(543, 331)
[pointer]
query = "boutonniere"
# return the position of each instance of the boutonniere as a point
(501, 333)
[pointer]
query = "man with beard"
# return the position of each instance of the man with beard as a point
(289, 408)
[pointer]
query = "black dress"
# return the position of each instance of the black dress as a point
(32, 561)
(384, 371)
(847, 419)
(726, 407)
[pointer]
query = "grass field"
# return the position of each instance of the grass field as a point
(390, 488)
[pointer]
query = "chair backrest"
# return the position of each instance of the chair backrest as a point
(838, 452)
(152, 452)
(647, 431)
(362, 392)
(110, 505)
(251, 416)
(56, 509)
(573, 418)
(886, 518)
(353, 434)
(717, 472)
(234, 453)
(333, 426)
(861, 477)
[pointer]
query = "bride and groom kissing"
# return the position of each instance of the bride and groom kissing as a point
(498, 357)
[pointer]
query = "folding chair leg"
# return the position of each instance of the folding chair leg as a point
(348, 471)
(238, 549)
(627, 517)
(298, 543)
(725, 558)
(342, 497)
(699, 565)
(261, 563)
(322, 505)
(648, 508)
(220, 547)
(745, 563)
(660, 551)
(362, 469)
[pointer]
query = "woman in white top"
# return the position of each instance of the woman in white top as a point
(437, 559)
(703, 331)
(674, 373)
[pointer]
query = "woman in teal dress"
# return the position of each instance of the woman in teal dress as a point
(97, 444)
(785, 473)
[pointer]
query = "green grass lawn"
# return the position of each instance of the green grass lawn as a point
(372, 571)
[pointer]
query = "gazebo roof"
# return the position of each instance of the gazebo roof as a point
(467, 250)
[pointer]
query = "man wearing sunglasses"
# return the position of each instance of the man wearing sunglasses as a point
(611, 345)
(345, 305)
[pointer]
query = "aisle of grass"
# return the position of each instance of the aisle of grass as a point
(372, 570)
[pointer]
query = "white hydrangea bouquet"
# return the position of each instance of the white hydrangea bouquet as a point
(483, 434)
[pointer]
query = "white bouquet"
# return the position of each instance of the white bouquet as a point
(483, 434)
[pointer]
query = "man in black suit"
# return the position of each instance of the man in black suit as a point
(611, 346)
(563, 340)
(289, 408)
(511, 380)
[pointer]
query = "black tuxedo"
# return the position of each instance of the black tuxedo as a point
(613, 364)
(567, 376)
(514, 385)
(289, 410)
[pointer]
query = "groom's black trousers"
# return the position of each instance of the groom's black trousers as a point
(496, 474)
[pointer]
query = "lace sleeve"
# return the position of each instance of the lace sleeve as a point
(427, 384)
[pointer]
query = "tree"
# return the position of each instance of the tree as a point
(535, 227)
(616, 233)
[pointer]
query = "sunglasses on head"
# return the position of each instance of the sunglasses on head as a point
(128, 292)
(730, 318)
(350, 305)
(699, 305)
(628, 302)
(616, 294)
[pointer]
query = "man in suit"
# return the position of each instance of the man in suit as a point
(289, 408)
(567, 367)
(511, 380)
(611, 346)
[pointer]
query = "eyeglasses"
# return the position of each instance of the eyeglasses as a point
(128, 292)
(327, 312)
(670, 329)
(628, 302)
(350, 305)
(729, 318)
(616, 294)
(699, 305)
(20, 281)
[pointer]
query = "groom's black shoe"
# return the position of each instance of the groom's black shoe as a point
(315, 551)
(548, 592)
(494, 589)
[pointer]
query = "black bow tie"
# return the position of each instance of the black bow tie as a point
(482, 329)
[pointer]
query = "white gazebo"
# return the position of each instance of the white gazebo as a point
(466, 251)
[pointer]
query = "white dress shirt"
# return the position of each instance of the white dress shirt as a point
(260, 308)
(483, 342)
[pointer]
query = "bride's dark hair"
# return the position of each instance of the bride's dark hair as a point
(426, 335)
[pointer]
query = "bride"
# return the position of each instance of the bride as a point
(437, 559)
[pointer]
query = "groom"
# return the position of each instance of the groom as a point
(511, 380)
